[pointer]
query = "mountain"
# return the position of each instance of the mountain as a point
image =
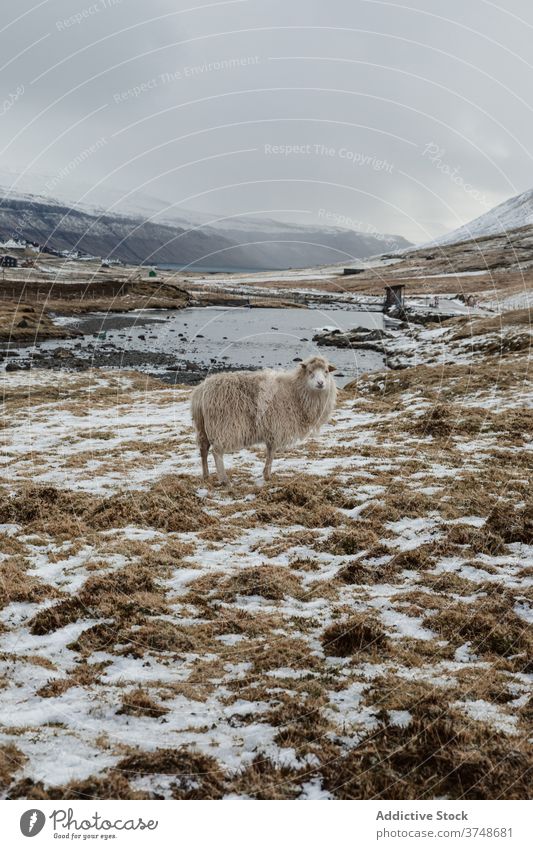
(507, 216)
(152, 232)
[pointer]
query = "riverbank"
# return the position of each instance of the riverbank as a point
(54, 287)
(23, 324)
(59, 300)
(183, 346)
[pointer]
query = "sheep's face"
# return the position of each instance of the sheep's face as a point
(316, 372)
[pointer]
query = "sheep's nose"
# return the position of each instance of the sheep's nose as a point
(320, 384)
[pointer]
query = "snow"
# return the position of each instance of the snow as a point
(313, 791)
(401, 718)
(347, 707)
(463, 654)
(483, 711)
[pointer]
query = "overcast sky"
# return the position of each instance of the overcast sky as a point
(405, 118)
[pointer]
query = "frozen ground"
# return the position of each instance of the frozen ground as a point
(359, 628)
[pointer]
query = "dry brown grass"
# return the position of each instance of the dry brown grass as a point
(304, 500)
(448, 383)
(195, 776)
(359, 634)
(282, 653)
(17, 586)
(46, 508)
(445, 420)
(128, 594)
(268, 581)
(490, 624)
(158, 636)
(286, 541)
(435, 422)
(354, 539)
(302, 726)
(110, 786)
(21, 323)
(171, 504)
(440, 755)
(510, 523)
(358, 572)
(82, 675)
(265, 780)
(11, 760)
(493, 324)
(447, 582)
(140, 703)
(480, 540)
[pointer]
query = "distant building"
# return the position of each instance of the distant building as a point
(13, 245)
(8, 261)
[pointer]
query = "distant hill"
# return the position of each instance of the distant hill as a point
(510, 215)
(239, 243)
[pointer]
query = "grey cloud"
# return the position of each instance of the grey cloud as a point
(191, 103)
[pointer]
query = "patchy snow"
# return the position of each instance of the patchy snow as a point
(483, 711)
(402, 718)
(219, 693)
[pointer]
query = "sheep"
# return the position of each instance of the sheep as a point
(235, 410)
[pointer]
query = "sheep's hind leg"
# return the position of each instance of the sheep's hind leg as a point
(204, 449)
(267, 471)
(219, 463)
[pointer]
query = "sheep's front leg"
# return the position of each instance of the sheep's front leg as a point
(267, 471)
(219, 463)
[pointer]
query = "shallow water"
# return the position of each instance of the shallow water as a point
(221, 336)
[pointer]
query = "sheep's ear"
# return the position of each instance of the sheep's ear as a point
(332, 368)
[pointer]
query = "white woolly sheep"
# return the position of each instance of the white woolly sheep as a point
(235, 410)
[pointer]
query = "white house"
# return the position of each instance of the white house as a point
(13, 245)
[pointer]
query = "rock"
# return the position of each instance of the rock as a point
(23, 366)
(361, 338)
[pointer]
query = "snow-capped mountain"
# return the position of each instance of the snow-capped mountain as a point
(139, 227)
(509, 215)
